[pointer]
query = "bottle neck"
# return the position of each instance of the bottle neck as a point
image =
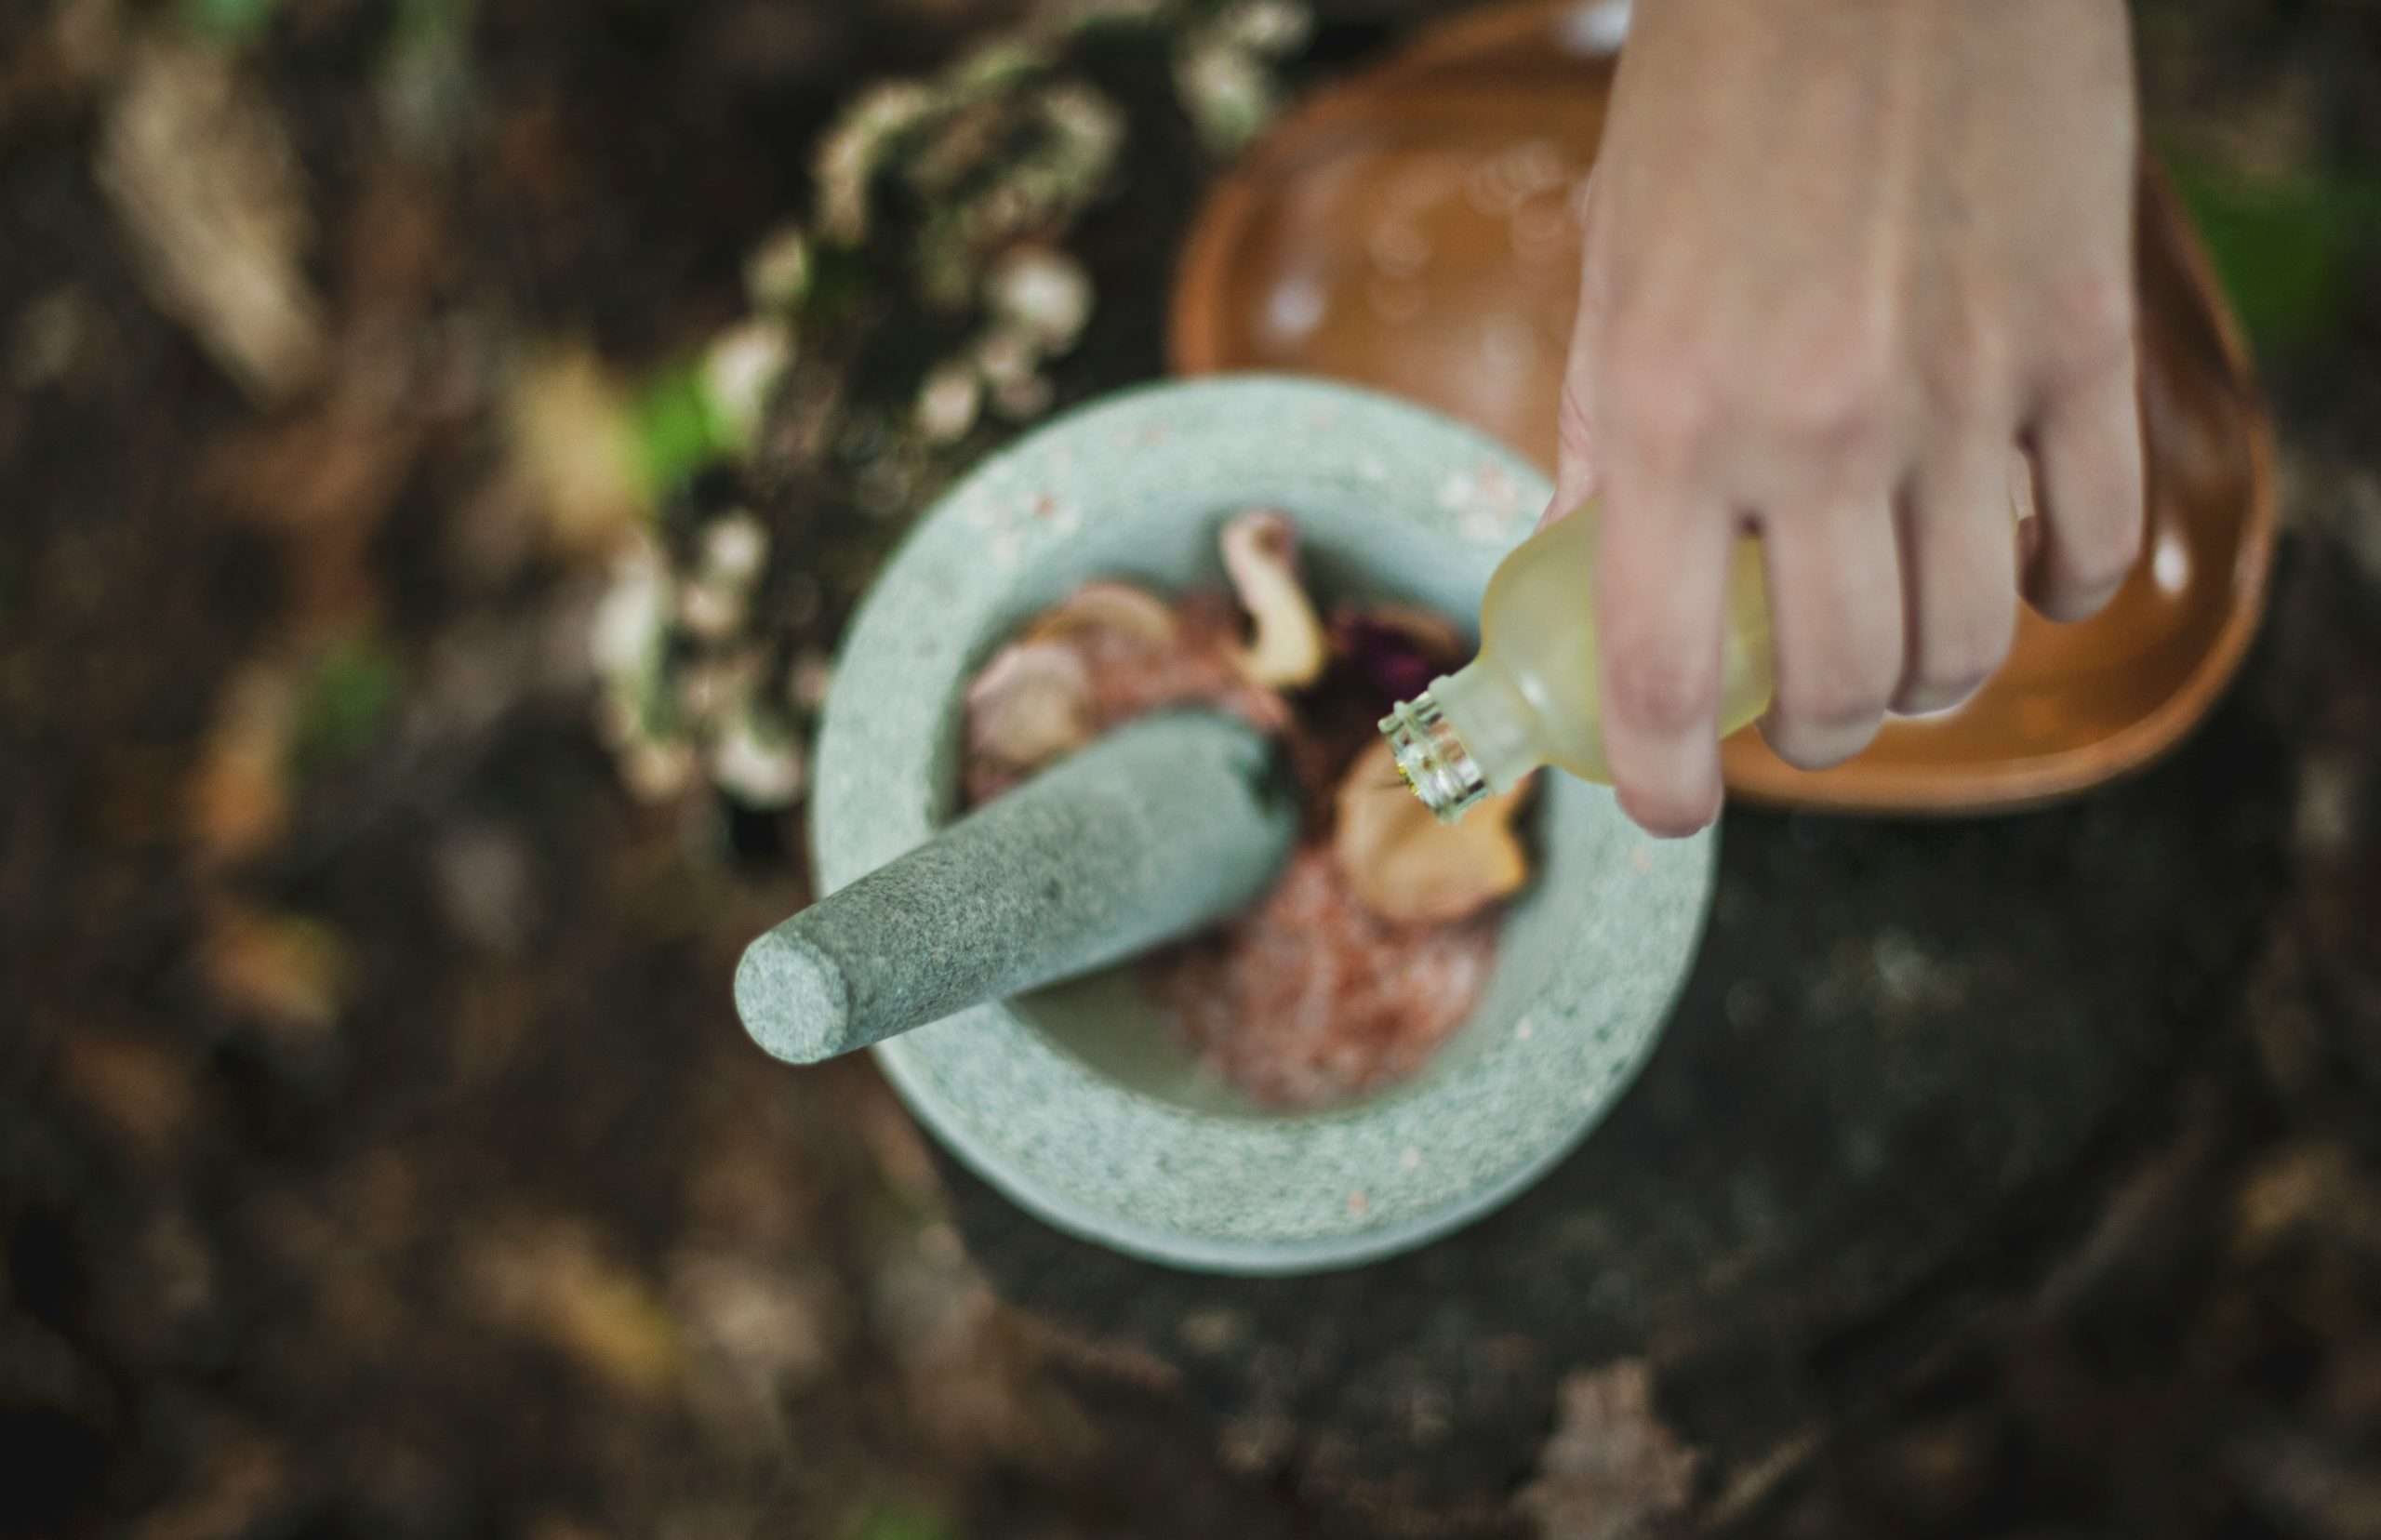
(1465, 738)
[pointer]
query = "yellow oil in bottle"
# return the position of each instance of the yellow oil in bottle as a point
(1532, 698)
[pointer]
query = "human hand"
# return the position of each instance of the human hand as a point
(1843, 258)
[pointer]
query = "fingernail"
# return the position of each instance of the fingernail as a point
(1688, 796)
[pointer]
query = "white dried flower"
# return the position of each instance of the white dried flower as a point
(950, 400)
(1227, 92)
(741, 371)
(757, 763)
(632, 618)
(852, 151)
(1273, 27)
(736, 547)
(1005, 356)
(1023, 400)
(657, 769)
(710, 609)
(807, 681)
(777, 275)
(1044, 294)
(1089, 129)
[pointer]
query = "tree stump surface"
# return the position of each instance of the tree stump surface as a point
(1912, 1063)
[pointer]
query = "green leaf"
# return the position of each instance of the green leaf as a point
(2281, 243)
(228, 22)
(678, 430)
(346, 704)
(900, 1518)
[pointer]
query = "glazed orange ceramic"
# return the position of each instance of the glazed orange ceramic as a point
(1413, 231)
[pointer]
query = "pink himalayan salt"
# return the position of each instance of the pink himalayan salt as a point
(1312, 997)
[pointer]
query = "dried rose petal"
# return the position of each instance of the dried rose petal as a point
(1030, 706)
(1260, 553)
(1393, 653)
(1405, 865)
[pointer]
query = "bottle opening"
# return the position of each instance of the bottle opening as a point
(1432, 759)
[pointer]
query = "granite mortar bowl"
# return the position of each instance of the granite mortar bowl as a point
(1076, 1101)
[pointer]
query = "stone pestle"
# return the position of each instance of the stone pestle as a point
(1155, 830)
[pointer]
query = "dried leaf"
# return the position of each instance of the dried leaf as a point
(1406, 866)
(1612, 1470)
(239, 794)
(1289, 648)
(575, 444)
(287, 972)
(1032, 705)
(555, 1282)
(136, 1085)
(198, 170)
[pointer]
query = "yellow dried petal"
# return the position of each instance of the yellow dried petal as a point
(1405, 865)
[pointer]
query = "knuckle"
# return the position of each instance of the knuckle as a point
(1842, 405)
(2092, 338)
(1964, 371)
(1660, 397)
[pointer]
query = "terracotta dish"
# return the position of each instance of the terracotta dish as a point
(1412, 230)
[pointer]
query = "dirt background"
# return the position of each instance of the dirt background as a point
(378, 1153)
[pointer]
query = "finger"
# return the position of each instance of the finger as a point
(1661, 583)
(2087, 452)
(1959, 564)
(1835, 620)
(1575, 457)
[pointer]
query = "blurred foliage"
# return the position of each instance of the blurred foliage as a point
(229, 21)
(679, 429)
(2283, 242)
(347, 703)
(901, 1519)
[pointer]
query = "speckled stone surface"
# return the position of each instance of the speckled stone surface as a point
(1075, 1103)
(1162, 827)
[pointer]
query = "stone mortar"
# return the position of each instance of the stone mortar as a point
(1074, 1101)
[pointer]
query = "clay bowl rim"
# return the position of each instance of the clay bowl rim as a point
(1195, 348)
(1019, 1108)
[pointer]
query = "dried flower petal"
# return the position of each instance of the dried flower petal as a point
(1032, 705)
(1405, 865)
(1289, 650)
(1394, 653)
(1119, 608)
